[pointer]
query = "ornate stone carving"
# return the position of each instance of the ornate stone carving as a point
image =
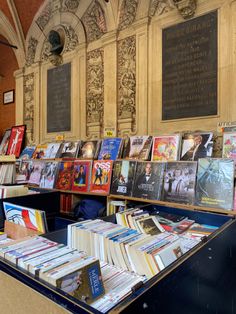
(70, 5)
(186, 8)
(160, 6)
(127, 13)
(94, 22)
(95, 87)
(127, 80)
(33, 42)
(29, 107)
(44, 17)
(71, 38)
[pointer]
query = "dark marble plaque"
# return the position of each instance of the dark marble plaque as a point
(189, 68)
(59, 99)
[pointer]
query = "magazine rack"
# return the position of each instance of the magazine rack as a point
(194, 282)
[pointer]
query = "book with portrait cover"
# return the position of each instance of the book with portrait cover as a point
(229, 145)
(40, 151)
(196, 145)
(52, 150)
(148, 180)
(215, 183)
(179, 182)
(48, 175)
(166, 147)
(101, 176)
(123, 177)
(89, 149)
(27, 152)
(68, 150)
(64, 175)
(36, 172)
(81, 175)
(110, 149)
(138, 147)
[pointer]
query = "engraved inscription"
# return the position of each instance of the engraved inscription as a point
(59, 99)
(189, 68)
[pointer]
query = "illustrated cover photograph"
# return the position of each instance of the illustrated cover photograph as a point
(81, 175)
(68, 150)
(23, 171)
(48, 175)
(123, 177)
(150, 225)
(166, 148)
(229, 145)
(40, 151)
(139, 147)
(101, 176)
(215, 183)
(110, 149)
(196, 145)
(179, 182)
(27, 152)
(5, 142)
(148, 180)
(28, 217)
(88, 150)
(36, 172)
(16, 140)
(51, 150)
(64, 175)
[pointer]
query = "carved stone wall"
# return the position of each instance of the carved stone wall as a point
(32, 46)
(127, 81)
(127, 13)
(29, 107)
(95, 92)
(160, 6)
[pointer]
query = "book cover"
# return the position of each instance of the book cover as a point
(48, 175)
(166, 147)
(27, 152)
(179, 182)
(110, 149)
(88, 149)
(148, 180)
(68, 150)
(5, 142)
(101, 176)
(40, 151)
(28, 217)
(81, 175)
(122, 177)
(64, 175)
(36, 172)
(229, 145)
(23, 171)
(16, 140)
(215, 183)
(84, 283)
(196, 145)
(150, 225)
(139, 147)
(52, 150)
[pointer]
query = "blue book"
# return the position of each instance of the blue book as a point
(110, 149)
(27, 152)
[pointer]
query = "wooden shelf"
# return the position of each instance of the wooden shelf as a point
(7, 158)
(176, 205)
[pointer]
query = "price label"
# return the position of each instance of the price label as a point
(60, 137)
(109, 132)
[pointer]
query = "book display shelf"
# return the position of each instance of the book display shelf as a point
(192, 284)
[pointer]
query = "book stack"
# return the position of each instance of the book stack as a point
(124, 247)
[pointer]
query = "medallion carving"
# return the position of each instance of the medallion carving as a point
(94, 22)
(31, 51)
(44, 17)
(95, 87)
(127, 13)
(70, 5)
(29, 107)
(160, 6)
(186, 8)
(127, 79)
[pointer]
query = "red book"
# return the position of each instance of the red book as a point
(64, 175)
(81, 175)
(101, 176)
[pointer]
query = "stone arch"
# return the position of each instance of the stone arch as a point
(8, 32)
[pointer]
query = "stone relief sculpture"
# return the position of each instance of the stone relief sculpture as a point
(127, 13)
(95, 87)
(70, 5)
(44, 18)
(127, 79)
(186, 8)
(94, 22)
(31, 51)
(160, 6)
(29, 107)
